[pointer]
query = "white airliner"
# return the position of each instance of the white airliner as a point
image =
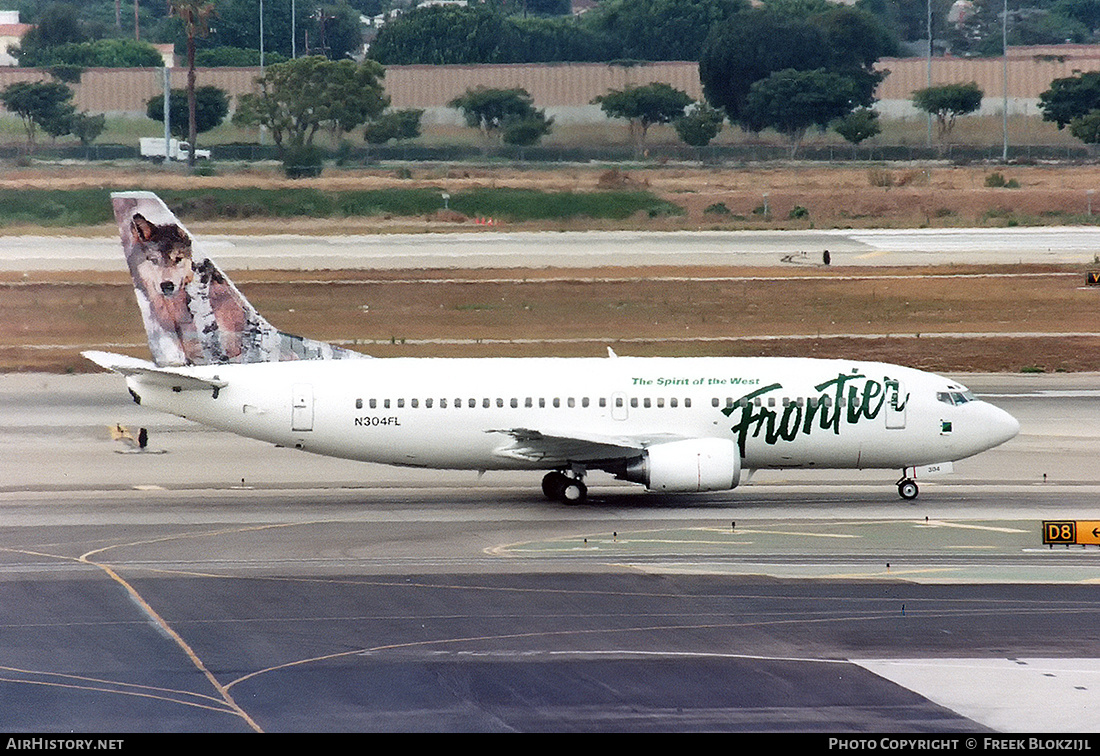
(671, 424)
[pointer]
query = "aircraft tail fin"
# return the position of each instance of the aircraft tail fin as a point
(193, 313)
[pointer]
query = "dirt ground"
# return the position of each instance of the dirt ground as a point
(915, 318)
(951, 320)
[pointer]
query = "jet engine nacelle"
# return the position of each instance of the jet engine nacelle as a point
(701, 464)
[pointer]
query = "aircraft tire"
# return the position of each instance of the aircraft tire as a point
(573, 491)
(907, 489)
(552, 484)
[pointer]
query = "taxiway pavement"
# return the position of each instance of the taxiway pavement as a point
(219, 584)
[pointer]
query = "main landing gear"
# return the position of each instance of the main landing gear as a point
(564, 488)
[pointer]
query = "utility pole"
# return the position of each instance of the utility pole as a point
(1004, 81)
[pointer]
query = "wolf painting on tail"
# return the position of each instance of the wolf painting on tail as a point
(193, 314)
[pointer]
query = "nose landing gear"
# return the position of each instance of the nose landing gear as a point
(907, 487)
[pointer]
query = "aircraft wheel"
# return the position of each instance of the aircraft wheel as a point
(908, 490)
(552, 484)
(573, 491)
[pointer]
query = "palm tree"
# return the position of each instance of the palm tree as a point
(195, 15)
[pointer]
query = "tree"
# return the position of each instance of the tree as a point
(87, 128)
(947, 102)
(102, 53)
(524, 132)
(860, 124)
(644, 106)
(1085, 12)
(660, 29)
(394, 124)
(845, 41)
(699, 125)
(1086, 127)
(1070, 98)
(336, 32)
(59, 24)
(491, 111)
(44, 104)
(791, 102)
(211, 108)
(299, 97)
(445, 34)
(736, 55)
(195, 15)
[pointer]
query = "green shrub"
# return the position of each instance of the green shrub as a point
(303, 162)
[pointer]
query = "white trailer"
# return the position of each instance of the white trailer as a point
(153, 148)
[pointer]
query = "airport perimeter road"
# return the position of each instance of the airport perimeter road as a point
(501, 249)
(218, 584)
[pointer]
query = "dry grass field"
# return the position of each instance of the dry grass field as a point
(934, 195)
(912, 318)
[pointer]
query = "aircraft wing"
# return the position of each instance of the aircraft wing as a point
(147, 372)
(559, 449)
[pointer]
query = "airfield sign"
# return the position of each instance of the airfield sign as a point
(1079, 532)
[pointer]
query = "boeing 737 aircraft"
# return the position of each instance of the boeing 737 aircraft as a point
(671, 424)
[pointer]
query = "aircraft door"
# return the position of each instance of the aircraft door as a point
(301, 407)
(896, 400)
(618, 406)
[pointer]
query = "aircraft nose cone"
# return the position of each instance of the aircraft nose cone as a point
(1002, 426)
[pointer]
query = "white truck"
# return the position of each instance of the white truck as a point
(153, 148)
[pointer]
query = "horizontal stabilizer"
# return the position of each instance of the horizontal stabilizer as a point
(148, 373)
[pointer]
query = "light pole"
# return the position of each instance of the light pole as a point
(1004, 81)
(261, 35)
(929, 69)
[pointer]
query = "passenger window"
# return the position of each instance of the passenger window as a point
(500, 401)
(687, 401)
(528, 402)
(672, 402)
(414, 403)
(386, 403)
(584, 402)
(358, 404)
(571, 402)
(373, 403)
(603, 401)
(514, 403)
(400, 403)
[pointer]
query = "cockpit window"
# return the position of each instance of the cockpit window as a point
(955, 397)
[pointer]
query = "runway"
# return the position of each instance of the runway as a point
(167, 591)
(585, 249)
